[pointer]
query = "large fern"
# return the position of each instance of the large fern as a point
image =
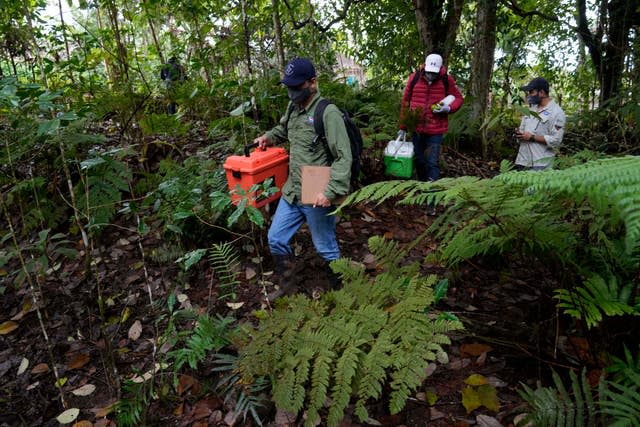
(612, 185)
(584, 220)
(350, 343)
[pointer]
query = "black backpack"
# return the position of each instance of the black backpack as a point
(355, 137)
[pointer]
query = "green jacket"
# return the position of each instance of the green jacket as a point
(304, 151)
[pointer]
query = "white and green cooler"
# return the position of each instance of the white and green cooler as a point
(398, 159)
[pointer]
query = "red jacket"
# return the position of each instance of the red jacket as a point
(424, 96)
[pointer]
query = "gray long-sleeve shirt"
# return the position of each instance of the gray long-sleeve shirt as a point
(551, 125)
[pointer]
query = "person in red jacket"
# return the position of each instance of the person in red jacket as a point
(432, 94)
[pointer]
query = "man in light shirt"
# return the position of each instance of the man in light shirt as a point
(541, 132)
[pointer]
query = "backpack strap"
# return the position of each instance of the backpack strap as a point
(318, 124)
(419, 73)
(289, 111)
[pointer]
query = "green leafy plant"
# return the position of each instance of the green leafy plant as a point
(248, 398)
(209, 333)
(555, 406)
(616, 404)
(583, 219)
(224, 260)
(106, 179)
(624, 370)
(352, 342)
(620, 402)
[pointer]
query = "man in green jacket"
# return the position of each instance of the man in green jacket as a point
(307, 149)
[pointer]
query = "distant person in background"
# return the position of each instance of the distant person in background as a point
(541, 132)
(171, 73)
(433, 94)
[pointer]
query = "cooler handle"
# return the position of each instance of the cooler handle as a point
(249, 147)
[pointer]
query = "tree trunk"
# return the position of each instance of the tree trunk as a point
(145, 6)
(278, 33)
(608, 53)
(121, 50)
(482, 65)
(438, 22)
(34, 46)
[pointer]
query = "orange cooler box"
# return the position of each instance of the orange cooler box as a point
(255, 168)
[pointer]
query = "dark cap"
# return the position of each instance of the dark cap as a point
(538, 84)
(297, 72)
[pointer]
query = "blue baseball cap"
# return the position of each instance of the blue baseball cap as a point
(538, 83)
(297, 72)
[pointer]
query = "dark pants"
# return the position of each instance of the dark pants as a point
(427, 151)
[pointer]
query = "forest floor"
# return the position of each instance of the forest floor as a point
(511, 331)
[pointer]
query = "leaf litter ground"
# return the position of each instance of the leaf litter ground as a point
(505, 305)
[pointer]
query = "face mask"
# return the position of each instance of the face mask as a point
(534, 99)
(298, 96)
(431, 76)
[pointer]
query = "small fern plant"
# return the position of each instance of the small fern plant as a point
(555, 406)
(616, 403)
(374, 333)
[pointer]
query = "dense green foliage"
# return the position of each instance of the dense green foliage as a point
(88, 149)
(375, 332)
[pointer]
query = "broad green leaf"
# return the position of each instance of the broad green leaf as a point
(241, 109)
(191, 258)
(489, 397)
(92, 162)
(237, 213)
(476, 380)
(48, 127)
(255, 216)
(470, 399)
(182, 214)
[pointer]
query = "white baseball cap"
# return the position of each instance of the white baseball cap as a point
(433, 63)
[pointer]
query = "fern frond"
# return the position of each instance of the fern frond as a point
(554, 406)
(208, 334)
(594, 298)
(352, 342)
(107, 179)
(224, 260)
(604, 182)
(621, 402)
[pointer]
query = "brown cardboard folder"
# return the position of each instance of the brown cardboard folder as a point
(314, 180)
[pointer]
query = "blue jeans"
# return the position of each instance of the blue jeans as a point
(427, 167)
(289, 218)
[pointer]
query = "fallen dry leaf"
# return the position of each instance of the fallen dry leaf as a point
(79, 361)
(40, 368)
(235, 305)
(68, 416)
(85, 390)
(8, 327)
(24, 364)
(83, 423)
(474, 349)
(187, 382)
(135, 330)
